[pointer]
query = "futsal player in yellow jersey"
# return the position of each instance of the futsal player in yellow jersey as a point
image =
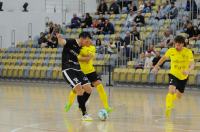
(182, 62)
(89, 70)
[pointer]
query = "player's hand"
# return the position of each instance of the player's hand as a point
(186, 72)
(155, 69)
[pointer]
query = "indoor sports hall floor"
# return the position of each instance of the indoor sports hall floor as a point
(38, 107)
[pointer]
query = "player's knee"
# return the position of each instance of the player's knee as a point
(78, 90)
(87, 88)
(172, 89)
(96, 83)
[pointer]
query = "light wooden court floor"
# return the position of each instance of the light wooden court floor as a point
(38, 107)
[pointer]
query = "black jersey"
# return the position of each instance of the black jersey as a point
(70, 55)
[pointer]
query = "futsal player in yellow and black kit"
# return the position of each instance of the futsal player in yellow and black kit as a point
(182, 62)
(89, 70)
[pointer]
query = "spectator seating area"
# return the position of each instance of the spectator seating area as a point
(28, 61)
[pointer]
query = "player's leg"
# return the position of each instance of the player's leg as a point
(87, 91)
(71, 98)
(103, 96)
(171, 94)
(95, 79)
(71, 77)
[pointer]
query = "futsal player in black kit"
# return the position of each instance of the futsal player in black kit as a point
(72, 72)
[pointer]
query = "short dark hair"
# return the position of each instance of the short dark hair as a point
(85, 35)
(179, 39)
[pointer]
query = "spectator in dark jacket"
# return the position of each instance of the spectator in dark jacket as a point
(75, 21)
(42, 41)
(102, 8)
(173, 13)
(139, 19)
(87, 22)
(108, 28)
(114, 8)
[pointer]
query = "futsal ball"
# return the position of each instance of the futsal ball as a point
(103, 114)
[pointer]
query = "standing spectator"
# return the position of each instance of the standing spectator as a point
(128, 45)
(108, 28)
(173, 13)
(114, 8)
(102, 8)
(75, 21)
(139, 19)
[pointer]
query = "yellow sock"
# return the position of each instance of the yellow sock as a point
(169, 100)
(71, 98)
(102, 95)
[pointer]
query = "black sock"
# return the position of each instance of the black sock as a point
(81, 104)
(86, 96)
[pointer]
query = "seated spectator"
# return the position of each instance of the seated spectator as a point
(108, 28)
(191, 6)
(140, 62)
(42, 41)
(132, 7)
(173, 12)
(75, 21)
(51, 27)
(156, 59)
(101, 18)
(99, 47)
(111, 47)
(114, 8)
(87, 22)
(135, 33)
(141, 5)
(196, 35)
(95, 23)
(100, 27)
(130, 19)
(139, 19)
(162, 13)
(102, 8)
(167, 40)
(147, 8)
(148, 61)
(189, 29)
(151, 51)
(52, 41)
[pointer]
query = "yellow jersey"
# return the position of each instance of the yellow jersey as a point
(180, 61)
(87, 67)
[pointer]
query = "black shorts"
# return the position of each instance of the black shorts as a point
(92, 77)
(179, 84)
(75, 77)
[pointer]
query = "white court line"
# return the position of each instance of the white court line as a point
(25, 126)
